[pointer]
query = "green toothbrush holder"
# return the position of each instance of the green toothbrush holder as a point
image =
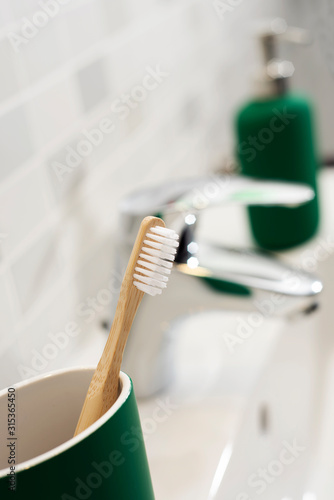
(39, 458)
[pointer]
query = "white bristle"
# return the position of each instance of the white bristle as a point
(158, 253)
(147, 289)
(153, 267)
(156, 260)
(157, 256)
(165, 241)
(163, 231)
(150, 281)
(161, 247)
(156, 276)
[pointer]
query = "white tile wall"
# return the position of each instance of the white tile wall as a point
(56, 234)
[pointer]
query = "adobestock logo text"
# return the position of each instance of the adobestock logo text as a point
(30, 27)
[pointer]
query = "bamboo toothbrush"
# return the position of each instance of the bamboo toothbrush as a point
(147, 272)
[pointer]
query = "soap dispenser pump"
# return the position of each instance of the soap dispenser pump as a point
(275, 139)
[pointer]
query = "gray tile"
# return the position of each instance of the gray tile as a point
(192, 112)
(65, 176)
(116, 15)
(15, 142)
(93, 84)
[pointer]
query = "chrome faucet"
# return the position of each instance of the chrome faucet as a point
(205, 274)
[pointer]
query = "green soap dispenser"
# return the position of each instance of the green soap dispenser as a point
(276, 141)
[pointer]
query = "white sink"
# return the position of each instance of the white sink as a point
(207, 402)
(275, 444)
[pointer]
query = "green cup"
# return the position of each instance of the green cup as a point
(39, 458)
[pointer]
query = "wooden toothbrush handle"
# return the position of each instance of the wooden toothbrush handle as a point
(97, 404)
(104, 387)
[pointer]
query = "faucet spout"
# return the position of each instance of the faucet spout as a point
(148, 357)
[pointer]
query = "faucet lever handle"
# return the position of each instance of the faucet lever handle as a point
(220, 190)
(186, 195)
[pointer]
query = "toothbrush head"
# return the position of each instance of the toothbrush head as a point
(155, 259)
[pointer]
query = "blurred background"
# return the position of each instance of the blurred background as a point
(168, 76)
